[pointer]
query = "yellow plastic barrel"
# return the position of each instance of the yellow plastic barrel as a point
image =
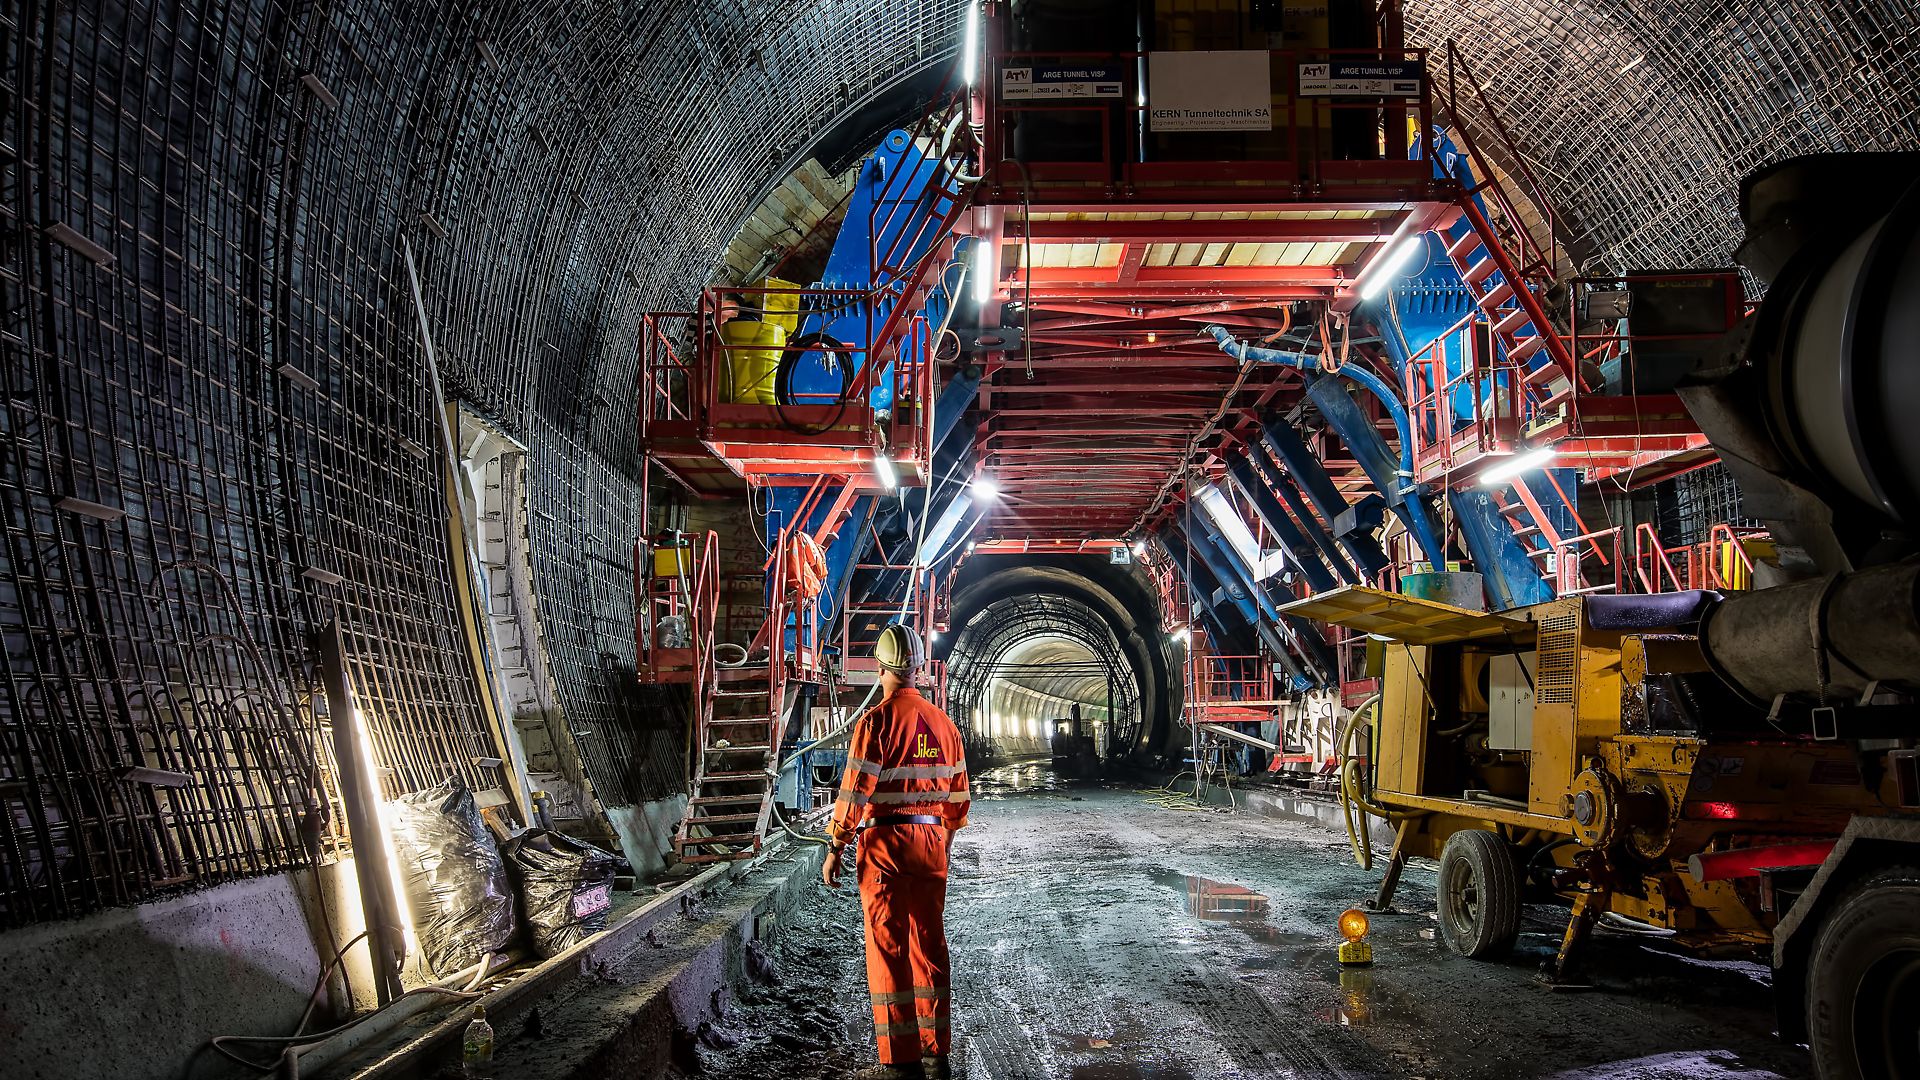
(748, 364)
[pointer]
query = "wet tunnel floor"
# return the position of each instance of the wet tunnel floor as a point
(1096, 936)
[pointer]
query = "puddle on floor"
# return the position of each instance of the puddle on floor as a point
(1357, 1001)
(1222, 901)
(1115, 1058)
(1127, 1070)
(1004, 780)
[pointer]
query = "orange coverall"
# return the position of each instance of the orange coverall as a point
(905, 759)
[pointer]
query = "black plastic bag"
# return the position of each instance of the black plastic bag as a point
(566, 887)
(456, 882)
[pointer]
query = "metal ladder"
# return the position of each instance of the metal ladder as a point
(738, 716)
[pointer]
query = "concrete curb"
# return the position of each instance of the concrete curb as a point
(622, 1003)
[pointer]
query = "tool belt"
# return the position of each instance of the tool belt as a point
(903, 819)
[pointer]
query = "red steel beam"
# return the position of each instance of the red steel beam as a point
(1188, 231)
(1055, 277)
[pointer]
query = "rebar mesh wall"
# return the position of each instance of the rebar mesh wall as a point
(1642, 116)
(218, 424)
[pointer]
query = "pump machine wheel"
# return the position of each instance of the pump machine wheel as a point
(1479, 894)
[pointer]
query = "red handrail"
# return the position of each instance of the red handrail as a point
(1722, 537)
(702, 612)
(1541, 265)
(1215, 685)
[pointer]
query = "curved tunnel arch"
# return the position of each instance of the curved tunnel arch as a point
(1114, 618)
(1026, 659)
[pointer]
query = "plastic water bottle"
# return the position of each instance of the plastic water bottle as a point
(476, 1047)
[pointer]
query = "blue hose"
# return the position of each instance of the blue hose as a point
(1243, 352)
(1402, 493)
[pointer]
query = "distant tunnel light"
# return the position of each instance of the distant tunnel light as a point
(1527, 461)
(1388, 270)
(970, 51)
(883, 468)
(985, 269)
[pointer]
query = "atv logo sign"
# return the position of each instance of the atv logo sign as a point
(1363, 78)
(1042, 83)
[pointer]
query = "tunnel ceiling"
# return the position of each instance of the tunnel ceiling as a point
(1058, 667)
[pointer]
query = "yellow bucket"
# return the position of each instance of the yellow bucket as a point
(780, 308)
(748, 365)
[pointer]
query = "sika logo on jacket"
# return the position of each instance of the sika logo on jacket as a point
(925, 746)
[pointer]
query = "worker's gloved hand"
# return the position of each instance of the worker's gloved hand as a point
(830, 869)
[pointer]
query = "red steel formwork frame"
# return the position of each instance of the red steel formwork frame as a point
(1117, 264)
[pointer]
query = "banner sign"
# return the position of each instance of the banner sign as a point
(1043, 83)
(1228, 90)
(1363, 78)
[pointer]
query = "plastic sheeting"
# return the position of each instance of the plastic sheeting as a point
(566, 887)
(463, 906)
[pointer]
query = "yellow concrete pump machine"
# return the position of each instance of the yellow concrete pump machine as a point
(1583, 747)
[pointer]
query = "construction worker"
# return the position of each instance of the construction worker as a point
(904, 794)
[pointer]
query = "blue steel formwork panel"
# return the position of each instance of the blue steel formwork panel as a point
(1412, 315)
(1300, 551)
(897, 204)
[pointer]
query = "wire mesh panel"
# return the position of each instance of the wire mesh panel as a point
(1690, 505)
(1642, 116)
(219, 430)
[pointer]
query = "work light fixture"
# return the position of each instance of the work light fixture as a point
(883, 468)
(1388, 269)
(970, 49)
(986, 268)
(984, 487)
(1525, 461)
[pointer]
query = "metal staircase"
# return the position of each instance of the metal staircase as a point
(1516, 318)
(736, 709)
(849, 415)
(1528, 505)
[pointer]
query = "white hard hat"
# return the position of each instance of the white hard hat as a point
(900, 650)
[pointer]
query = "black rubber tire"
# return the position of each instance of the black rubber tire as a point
(1478, 894)
(1863, 981)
